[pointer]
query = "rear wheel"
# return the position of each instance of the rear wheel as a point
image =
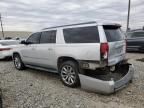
(69, 74)
(18, 62)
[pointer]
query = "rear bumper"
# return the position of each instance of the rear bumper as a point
(5, 54)
(106, 87)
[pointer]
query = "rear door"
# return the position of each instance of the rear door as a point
(116, 42)
(46, 49)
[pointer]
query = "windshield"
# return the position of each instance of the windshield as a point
(113, 33)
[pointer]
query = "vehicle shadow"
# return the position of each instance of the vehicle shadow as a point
(1, 99)
(140, 52)
(42, 73)
(6, 59)
(141, 60)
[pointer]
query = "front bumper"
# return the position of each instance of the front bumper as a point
(106, 87)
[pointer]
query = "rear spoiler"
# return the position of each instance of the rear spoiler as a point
(112, 24)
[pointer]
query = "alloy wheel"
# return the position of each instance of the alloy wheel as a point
(68, 74)
(17, 62)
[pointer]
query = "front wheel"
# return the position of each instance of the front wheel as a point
(18, 62)
(69, 74)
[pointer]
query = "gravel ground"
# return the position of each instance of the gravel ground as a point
(38, 89)
(0, 99)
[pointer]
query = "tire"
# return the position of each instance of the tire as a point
(69, 74)
(18, 62)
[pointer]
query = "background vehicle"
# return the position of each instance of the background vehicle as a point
(8, 38)
(6, 47)
(70, 50)
(135, 40)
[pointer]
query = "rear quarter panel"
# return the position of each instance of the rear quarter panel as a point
(79, 51)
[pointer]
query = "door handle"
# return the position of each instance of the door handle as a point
(33, 48)
(50, 49)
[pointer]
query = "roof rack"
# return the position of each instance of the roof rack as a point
(70, 25)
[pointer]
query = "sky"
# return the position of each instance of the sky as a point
(32, 15)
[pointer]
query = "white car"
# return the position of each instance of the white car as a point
(72, 50)
(6, 48)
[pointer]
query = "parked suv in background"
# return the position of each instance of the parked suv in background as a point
(70, 50)
(135, 40)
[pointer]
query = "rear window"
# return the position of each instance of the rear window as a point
(113, 33)
(81, 35)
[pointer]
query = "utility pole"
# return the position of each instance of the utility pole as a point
(128, 17)
(1, 26)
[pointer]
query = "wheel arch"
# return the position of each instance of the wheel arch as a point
(65, 58)
(15, 53)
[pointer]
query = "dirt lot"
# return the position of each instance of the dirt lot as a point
(38, 89)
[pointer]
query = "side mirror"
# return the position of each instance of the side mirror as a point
(23, 42)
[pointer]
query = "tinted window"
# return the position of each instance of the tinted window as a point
(113, 33)
(81, 35)
(137, 34)
(48, 37)
(34, 38)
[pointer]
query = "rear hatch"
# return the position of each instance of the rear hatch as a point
(116, 42)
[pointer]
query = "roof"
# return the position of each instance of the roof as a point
(92, 22)
(70, 25)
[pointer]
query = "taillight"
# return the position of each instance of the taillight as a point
(104, 49)
(5, 49)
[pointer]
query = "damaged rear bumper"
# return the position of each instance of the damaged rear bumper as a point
(106, 87)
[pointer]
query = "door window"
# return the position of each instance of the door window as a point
(48, 37)
(34, 38)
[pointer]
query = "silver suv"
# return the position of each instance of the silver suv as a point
(79, 53)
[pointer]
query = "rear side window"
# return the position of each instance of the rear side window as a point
(113, 33)
(81, 35)
(34, 38)
(48, 37)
